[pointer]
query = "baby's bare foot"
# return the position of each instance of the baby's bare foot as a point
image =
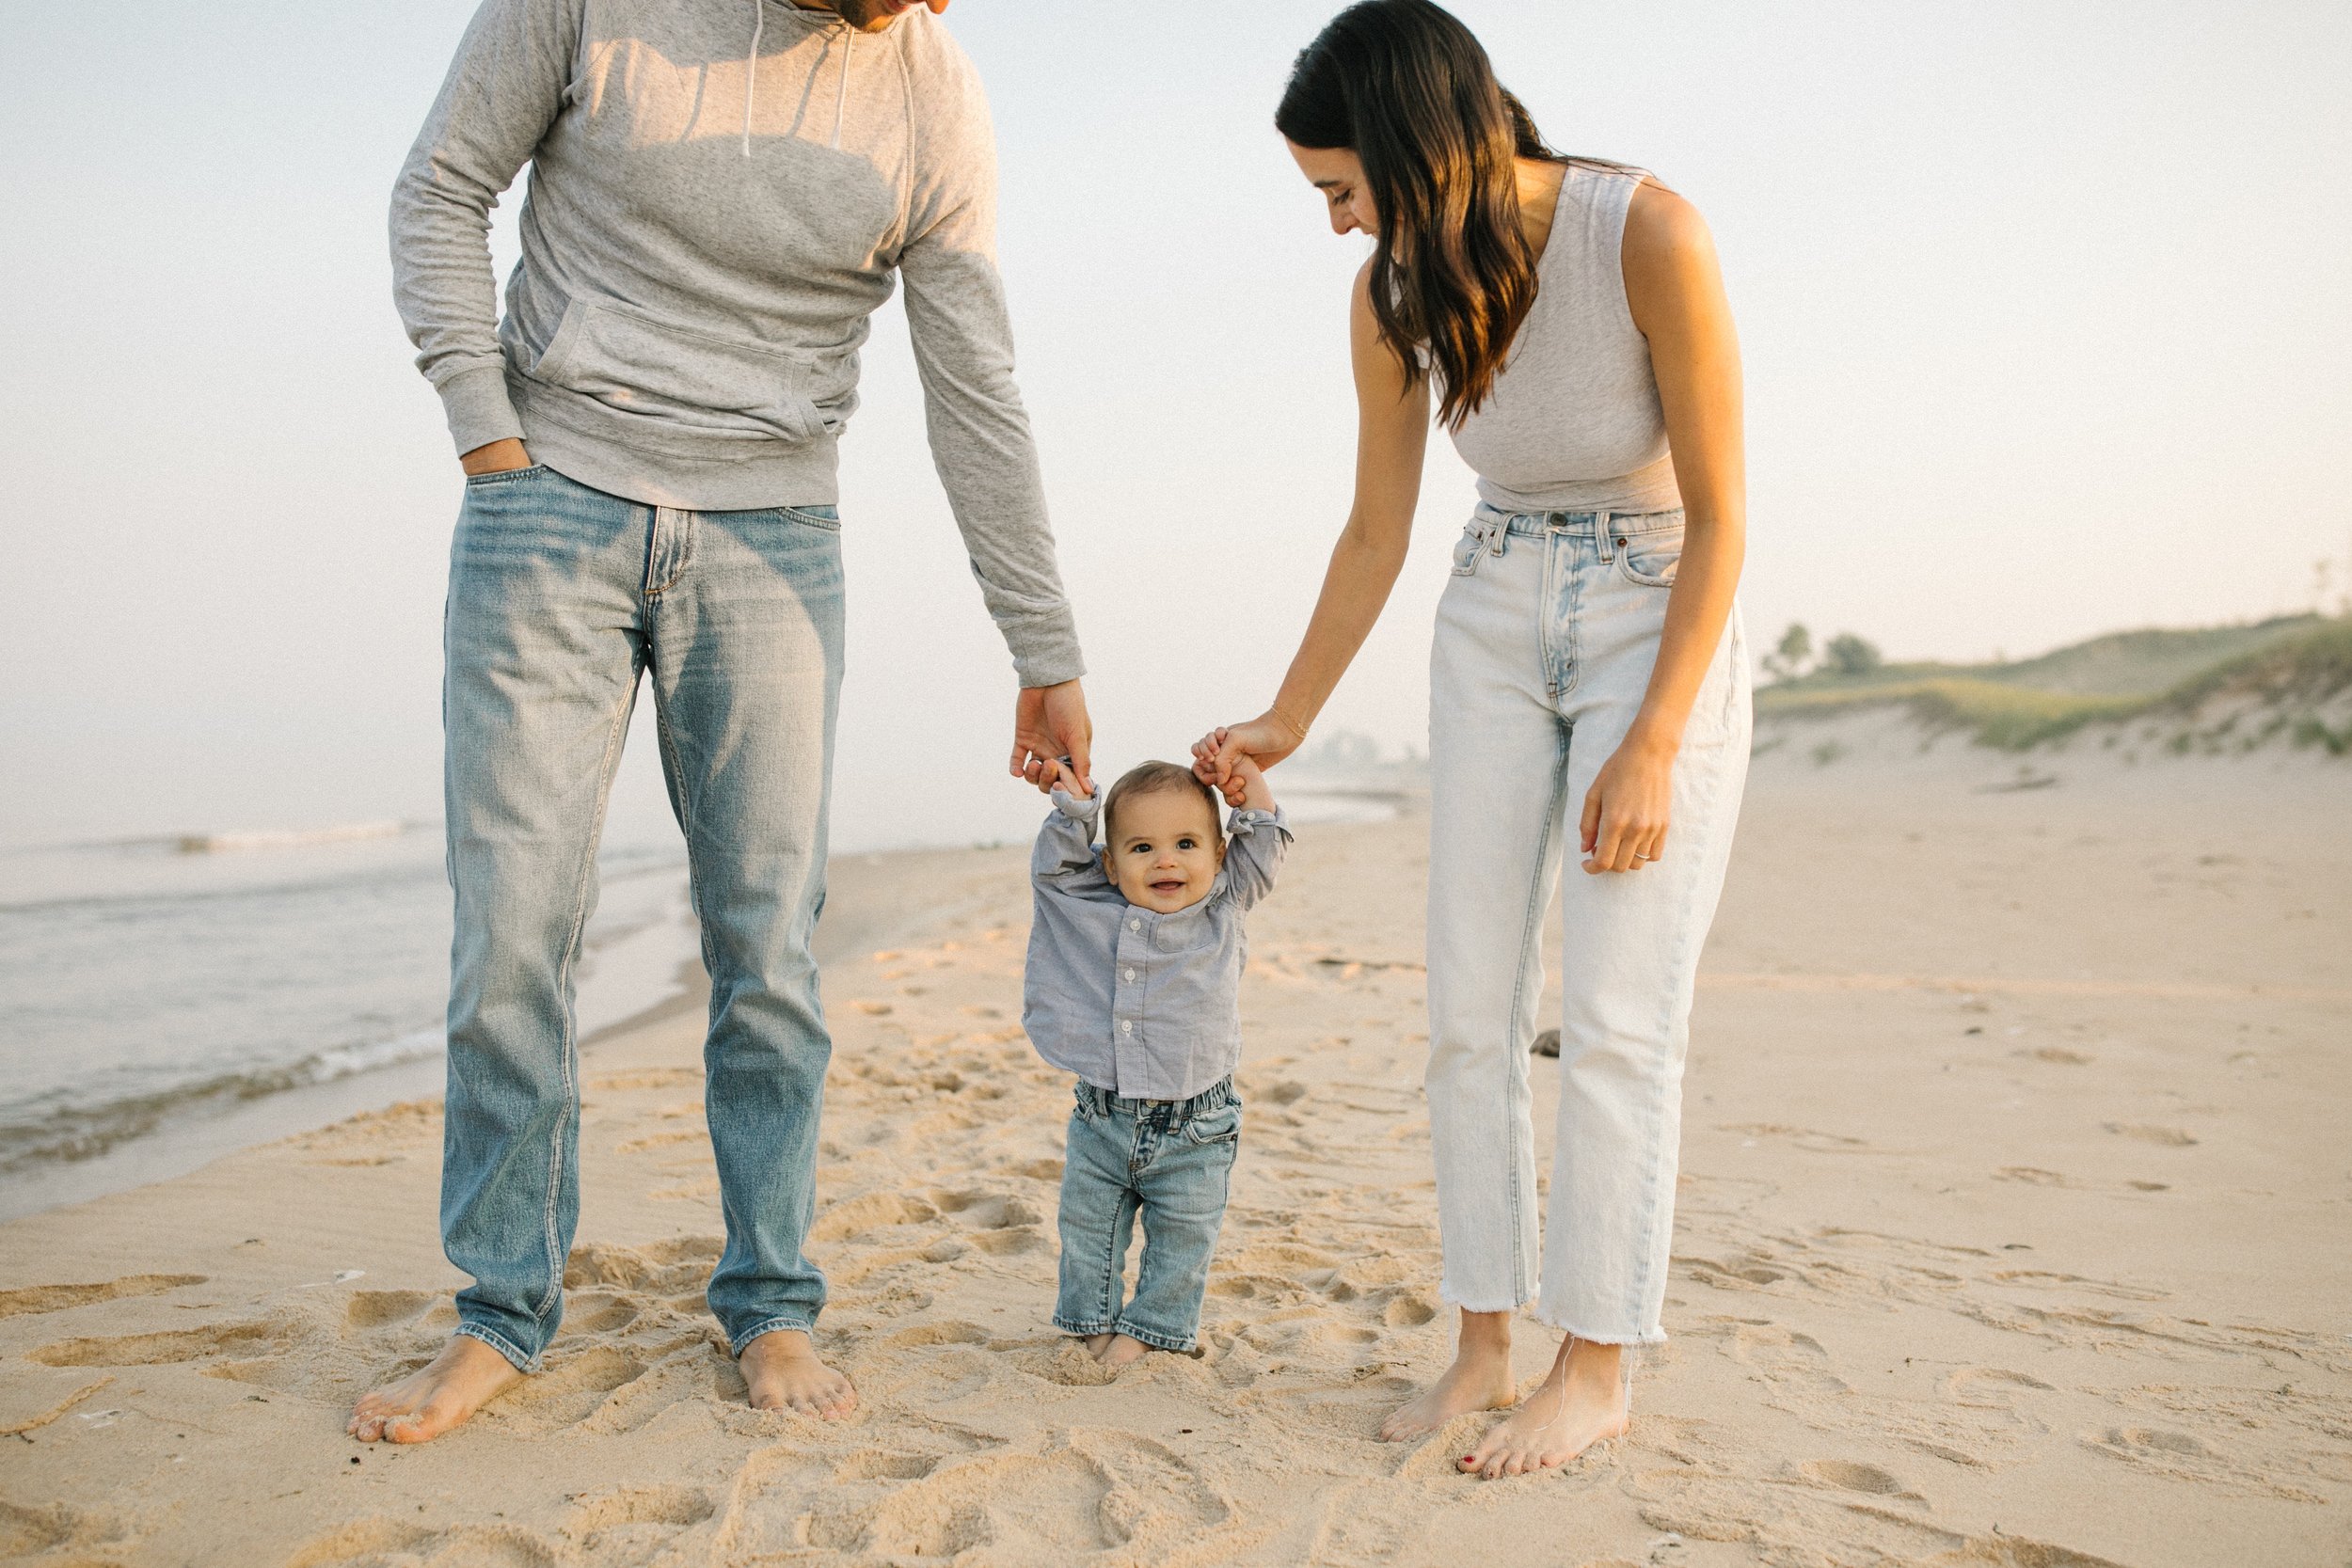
(1480, 1379)
(1581, 1403)
(467, 1375)
(781, 1372)
(1122, 1352)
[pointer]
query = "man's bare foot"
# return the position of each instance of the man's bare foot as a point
(1580, 1402)
(1097, 1343)
(781, 1370)
(1480, 1379)
(467, 1375)
(1122, 1352)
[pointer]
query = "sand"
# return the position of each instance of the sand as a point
(2013, 1231)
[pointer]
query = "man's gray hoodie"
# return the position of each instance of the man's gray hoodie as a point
(721, 192)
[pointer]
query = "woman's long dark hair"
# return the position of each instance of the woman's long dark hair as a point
(1405, 86)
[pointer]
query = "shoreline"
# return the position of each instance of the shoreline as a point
(185, 1137)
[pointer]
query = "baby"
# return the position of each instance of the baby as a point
(1134, 978)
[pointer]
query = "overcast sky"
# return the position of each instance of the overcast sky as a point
(2045, 310)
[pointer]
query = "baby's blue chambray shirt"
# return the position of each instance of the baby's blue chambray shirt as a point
(1143, 1004)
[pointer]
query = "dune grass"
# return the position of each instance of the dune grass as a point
(2307, 663)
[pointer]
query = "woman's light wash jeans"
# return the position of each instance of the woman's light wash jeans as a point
(560, 597)
(1546, 639)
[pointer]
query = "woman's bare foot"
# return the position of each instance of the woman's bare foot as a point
(782, 1372)
(1480, 1379)
(467, 1375)
(1097, 1343)
(1580, 1402)
(1122, 1352)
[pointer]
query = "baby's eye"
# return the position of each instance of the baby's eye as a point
(1188, 843)
(1139, 849)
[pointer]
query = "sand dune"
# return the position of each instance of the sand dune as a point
(2013, 1232)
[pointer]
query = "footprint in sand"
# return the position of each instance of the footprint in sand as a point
(1848, 1475)
(384, 1543)
(370, 1309)
(613, 1524)
(170, 1348)
(857, 1218)
(671, 1268)
(29, 1533)
(2185, 1456)
(58, 1298)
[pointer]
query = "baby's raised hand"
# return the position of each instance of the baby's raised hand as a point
(1254, 793)
(1062, 776)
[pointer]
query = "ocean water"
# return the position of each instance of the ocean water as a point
(165, 1000)
(170, 999)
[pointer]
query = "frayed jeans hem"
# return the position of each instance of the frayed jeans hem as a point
(501, 1344)
(1448, 1296)
(1630, 1341)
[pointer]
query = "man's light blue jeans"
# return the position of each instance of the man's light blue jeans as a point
(559, 598)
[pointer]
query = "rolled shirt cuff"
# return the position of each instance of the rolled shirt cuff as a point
(479, 410)
(1076, 810)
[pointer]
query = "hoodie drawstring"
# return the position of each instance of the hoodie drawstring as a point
(751, 70)
(751, 76)
(841, 102)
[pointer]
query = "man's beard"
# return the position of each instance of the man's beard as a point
(862, 14)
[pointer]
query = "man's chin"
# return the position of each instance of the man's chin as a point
(872, 16)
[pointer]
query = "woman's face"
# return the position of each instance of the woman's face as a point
(1339, 174)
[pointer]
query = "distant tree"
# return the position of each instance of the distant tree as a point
(1848, 655)
(1786, 661)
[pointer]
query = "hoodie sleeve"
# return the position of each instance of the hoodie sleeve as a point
(504, 89)
(963, 338)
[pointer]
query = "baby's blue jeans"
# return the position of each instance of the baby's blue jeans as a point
(1171, 1162)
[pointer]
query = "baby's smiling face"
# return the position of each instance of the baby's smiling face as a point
(1165, 850)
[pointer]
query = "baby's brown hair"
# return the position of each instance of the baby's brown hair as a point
(1159, 778)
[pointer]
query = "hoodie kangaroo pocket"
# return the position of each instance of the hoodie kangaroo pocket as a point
(682, 377)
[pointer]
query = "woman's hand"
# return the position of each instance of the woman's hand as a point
(1264, 741)
(1626, 809)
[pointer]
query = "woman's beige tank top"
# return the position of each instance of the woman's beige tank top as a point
(1573, 424)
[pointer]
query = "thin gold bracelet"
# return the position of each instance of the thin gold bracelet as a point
(1294, 726)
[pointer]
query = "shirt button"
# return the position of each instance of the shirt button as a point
(1131, 975)
(1135, 924)
(1126, 1025)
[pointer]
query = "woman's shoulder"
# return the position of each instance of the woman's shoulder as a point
(1661, 224)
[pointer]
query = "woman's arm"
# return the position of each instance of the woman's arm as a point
(1676, 289)
(1392, 438)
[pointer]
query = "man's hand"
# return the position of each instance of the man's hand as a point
(1049, 723)
(496, 458)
